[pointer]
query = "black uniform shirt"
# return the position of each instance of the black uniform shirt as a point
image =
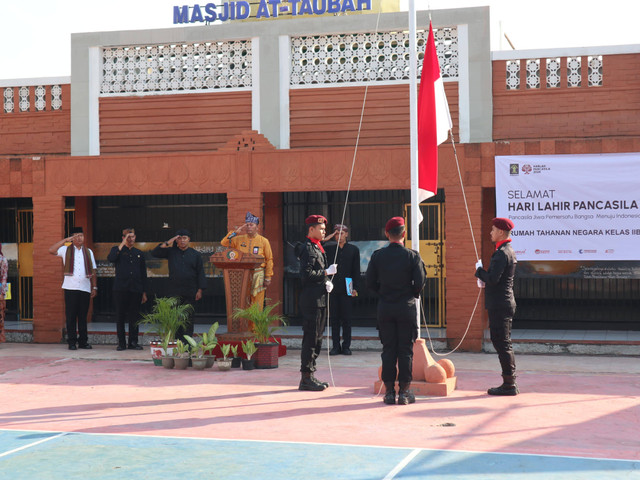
(396, 274)
(186, 270)
(348, 261)
(131, 269)
(498, 291)
(313, 266)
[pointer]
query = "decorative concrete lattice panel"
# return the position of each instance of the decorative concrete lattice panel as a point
(174, 68)
(367, 57)
(41, 100)
(574, 71)
(595, 71)
(533, 73)
(8, 100)
(513, 74)
(23, 94)
(56, 97)
(553, 72)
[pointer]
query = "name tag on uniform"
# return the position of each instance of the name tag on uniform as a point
(256, 250)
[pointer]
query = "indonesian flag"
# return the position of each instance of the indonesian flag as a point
(434, 121)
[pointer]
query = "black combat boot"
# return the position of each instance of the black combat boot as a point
(324, 384)
(307, 383)
(390, 395)
(405, 396)
(508, 387)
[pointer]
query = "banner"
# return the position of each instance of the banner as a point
(571, 207)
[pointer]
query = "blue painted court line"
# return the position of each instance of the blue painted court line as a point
(71, 456)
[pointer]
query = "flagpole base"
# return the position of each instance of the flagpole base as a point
(430, 378)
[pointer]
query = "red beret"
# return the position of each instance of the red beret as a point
(503, 224)
(394, 223)
(315, 219)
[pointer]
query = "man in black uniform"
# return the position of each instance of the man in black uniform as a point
(341, 300)
(500, 303)
(313, 299)
(129, 287)
(397, 275)
(186, 273)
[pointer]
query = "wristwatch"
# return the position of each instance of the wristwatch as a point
(95, 288)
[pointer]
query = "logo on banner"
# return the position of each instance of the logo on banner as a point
(514, 169)
(583, 251)
(526, 169)
(542, 252)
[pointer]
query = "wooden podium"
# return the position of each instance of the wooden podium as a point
(238, 270)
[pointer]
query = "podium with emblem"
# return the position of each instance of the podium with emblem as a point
(237, 268)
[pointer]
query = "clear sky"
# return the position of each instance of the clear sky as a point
(35, 35)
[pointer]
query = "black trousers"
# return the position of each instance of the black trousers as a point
(314, 320)
(340, 309)
(76, 304)
(398, 331)
(127, 313)
(500, 320)
(188, 330)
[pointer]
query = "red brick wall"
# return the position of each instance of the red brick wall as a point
(579, 112)
(169, 123)
(32, 132)
(48, 303)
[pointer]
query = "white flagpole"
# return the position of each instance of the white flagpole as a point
(413, 108)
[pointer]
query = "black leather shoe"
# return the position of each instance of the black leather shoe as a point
(135, 346)
(346, 351)
(85, 347)
(121, 348)
(335, 351)
(72, 347)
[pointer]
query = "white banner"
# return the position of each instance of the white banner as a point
(571, 207)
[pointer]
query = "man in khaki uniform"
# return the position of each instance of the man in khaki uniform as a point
(247, 240)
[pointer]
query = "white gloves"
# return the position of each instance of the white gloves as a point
(480, 282)
(329, 285)
(333, 269)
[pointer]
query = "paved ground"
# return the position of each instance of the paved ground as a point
(108, 414)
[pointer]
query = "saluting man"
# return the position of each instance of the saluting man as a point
(246, 239)
(500, 302)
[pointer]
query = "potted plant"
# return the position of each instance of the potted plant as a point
(224, 363)
(167, 358)
(264, 324)
(249, 348)
(198, 361)
(210, 342)
(181, 355)
(236, 361)
(166, 317)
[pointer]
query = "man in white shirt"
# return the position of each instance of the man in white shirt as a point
(79, 285)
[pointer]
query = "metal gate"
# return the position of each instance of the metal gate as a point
(25, 264)
(432, 253)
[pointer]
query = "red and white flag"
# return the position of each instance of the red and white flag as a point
(434, 120)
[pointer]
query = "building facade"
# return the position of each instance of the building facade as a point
(194, 126)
